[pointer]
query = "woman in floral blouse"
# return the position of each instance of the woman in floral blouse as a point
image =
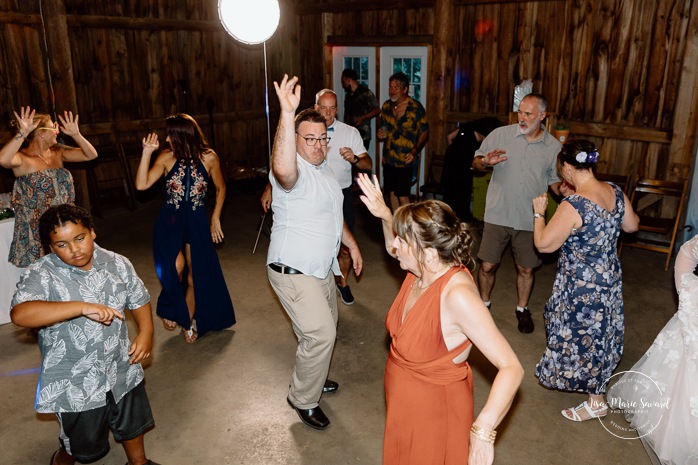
(193, 286)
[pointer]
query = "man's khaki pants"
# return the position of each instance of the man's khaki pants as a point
(311, 304)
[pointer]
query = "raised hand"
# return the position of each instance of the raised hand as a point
(289, 98)
(69, 124)
(25, 120)
(150, 143)
(373, 196)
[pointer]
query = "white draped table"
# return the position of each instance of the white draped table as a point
(9, 274)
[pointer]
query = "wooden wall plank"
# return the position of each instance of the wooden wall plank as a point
(685, 124)
(506, 76)
(619, 70)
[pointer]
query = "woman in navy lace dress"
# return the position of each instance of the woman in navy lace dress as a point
(584, 316)
(193, 286)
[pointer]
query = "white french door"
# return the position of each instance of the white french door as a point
(413, 62)
(409, 60)
(363, 61)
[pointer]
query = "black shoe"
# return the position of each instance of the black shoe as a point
(525, 321)
(345, 294)
(313, 417)
(330, 387)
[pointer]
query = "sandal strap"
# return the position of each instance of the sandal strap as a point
(589, 410)
(190, 335)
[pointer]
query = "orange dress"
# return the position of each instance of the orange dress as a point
(429, 398)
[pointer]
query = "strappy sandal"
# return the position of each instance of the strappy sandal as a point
(600, 412)
(169, 324)
(190, 335)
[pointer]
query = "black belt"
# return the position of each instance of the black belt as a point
(283, 269)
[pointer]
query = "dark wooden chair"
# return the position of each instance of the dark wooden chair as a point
(109, 179)
(432, 183)
(622, 181)
(659, 205)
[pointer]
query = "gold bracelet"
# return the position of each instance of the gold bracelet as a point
(486, 435)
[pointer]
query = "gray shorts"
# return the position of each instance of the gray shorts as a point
(495, 239)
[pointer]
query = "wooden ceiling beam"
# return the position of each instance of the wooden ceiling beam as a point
(582, 128)
(488, 2)
(380, 41)
(19, 18)
(316, 7)
(118, 22)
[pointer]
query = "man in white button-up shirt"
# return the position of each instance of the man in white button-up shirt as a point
(344, 150)
(306, 235)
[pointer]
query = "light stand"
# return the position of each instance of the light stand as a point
(253, 22)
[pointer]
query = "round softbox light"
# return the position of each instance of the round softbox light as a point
(249, 21)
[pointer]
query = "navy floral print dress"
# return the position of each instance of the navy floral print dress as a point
(584, 316)
(183, 220)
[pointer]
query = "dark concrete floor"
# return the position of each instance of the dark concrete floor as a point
(222, 400)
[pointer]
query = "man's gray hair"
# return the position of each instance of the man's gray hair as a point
(323, 92)
(542, 102)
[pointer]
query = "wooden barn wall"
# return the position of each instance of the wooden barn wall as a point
(616, 62)
(622, 72)
(135, 62)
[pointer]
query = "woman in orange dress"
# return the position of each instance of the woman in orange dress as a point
(434, 321)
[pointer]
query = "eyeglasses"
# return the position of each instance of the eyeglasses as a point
(54, 128)
(314, 140)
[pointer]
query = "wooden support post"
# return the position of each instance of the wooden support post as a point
(440, 75)
(60, 74)
(61, 64)
(683, 141)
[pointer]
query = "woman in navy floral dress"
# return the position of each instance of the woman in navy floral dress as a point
(193, 286)
(584, 316)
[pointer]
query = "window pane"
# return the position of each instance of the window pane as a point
(360, 65)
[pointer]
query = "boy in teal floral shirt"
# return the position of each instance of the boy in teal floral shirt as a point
(90, 377)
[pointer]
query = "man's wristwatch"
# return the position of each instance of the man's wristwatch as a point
(537, 215)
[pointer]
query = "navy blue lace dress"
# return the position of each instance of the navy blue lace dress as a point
(183, 220)
(584, 316)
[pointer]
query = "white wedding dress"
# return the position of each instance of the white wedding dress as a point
(669, 432)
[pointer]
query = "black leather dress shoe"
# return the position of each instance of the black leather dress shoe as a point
(313, 417)
(330, 387)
